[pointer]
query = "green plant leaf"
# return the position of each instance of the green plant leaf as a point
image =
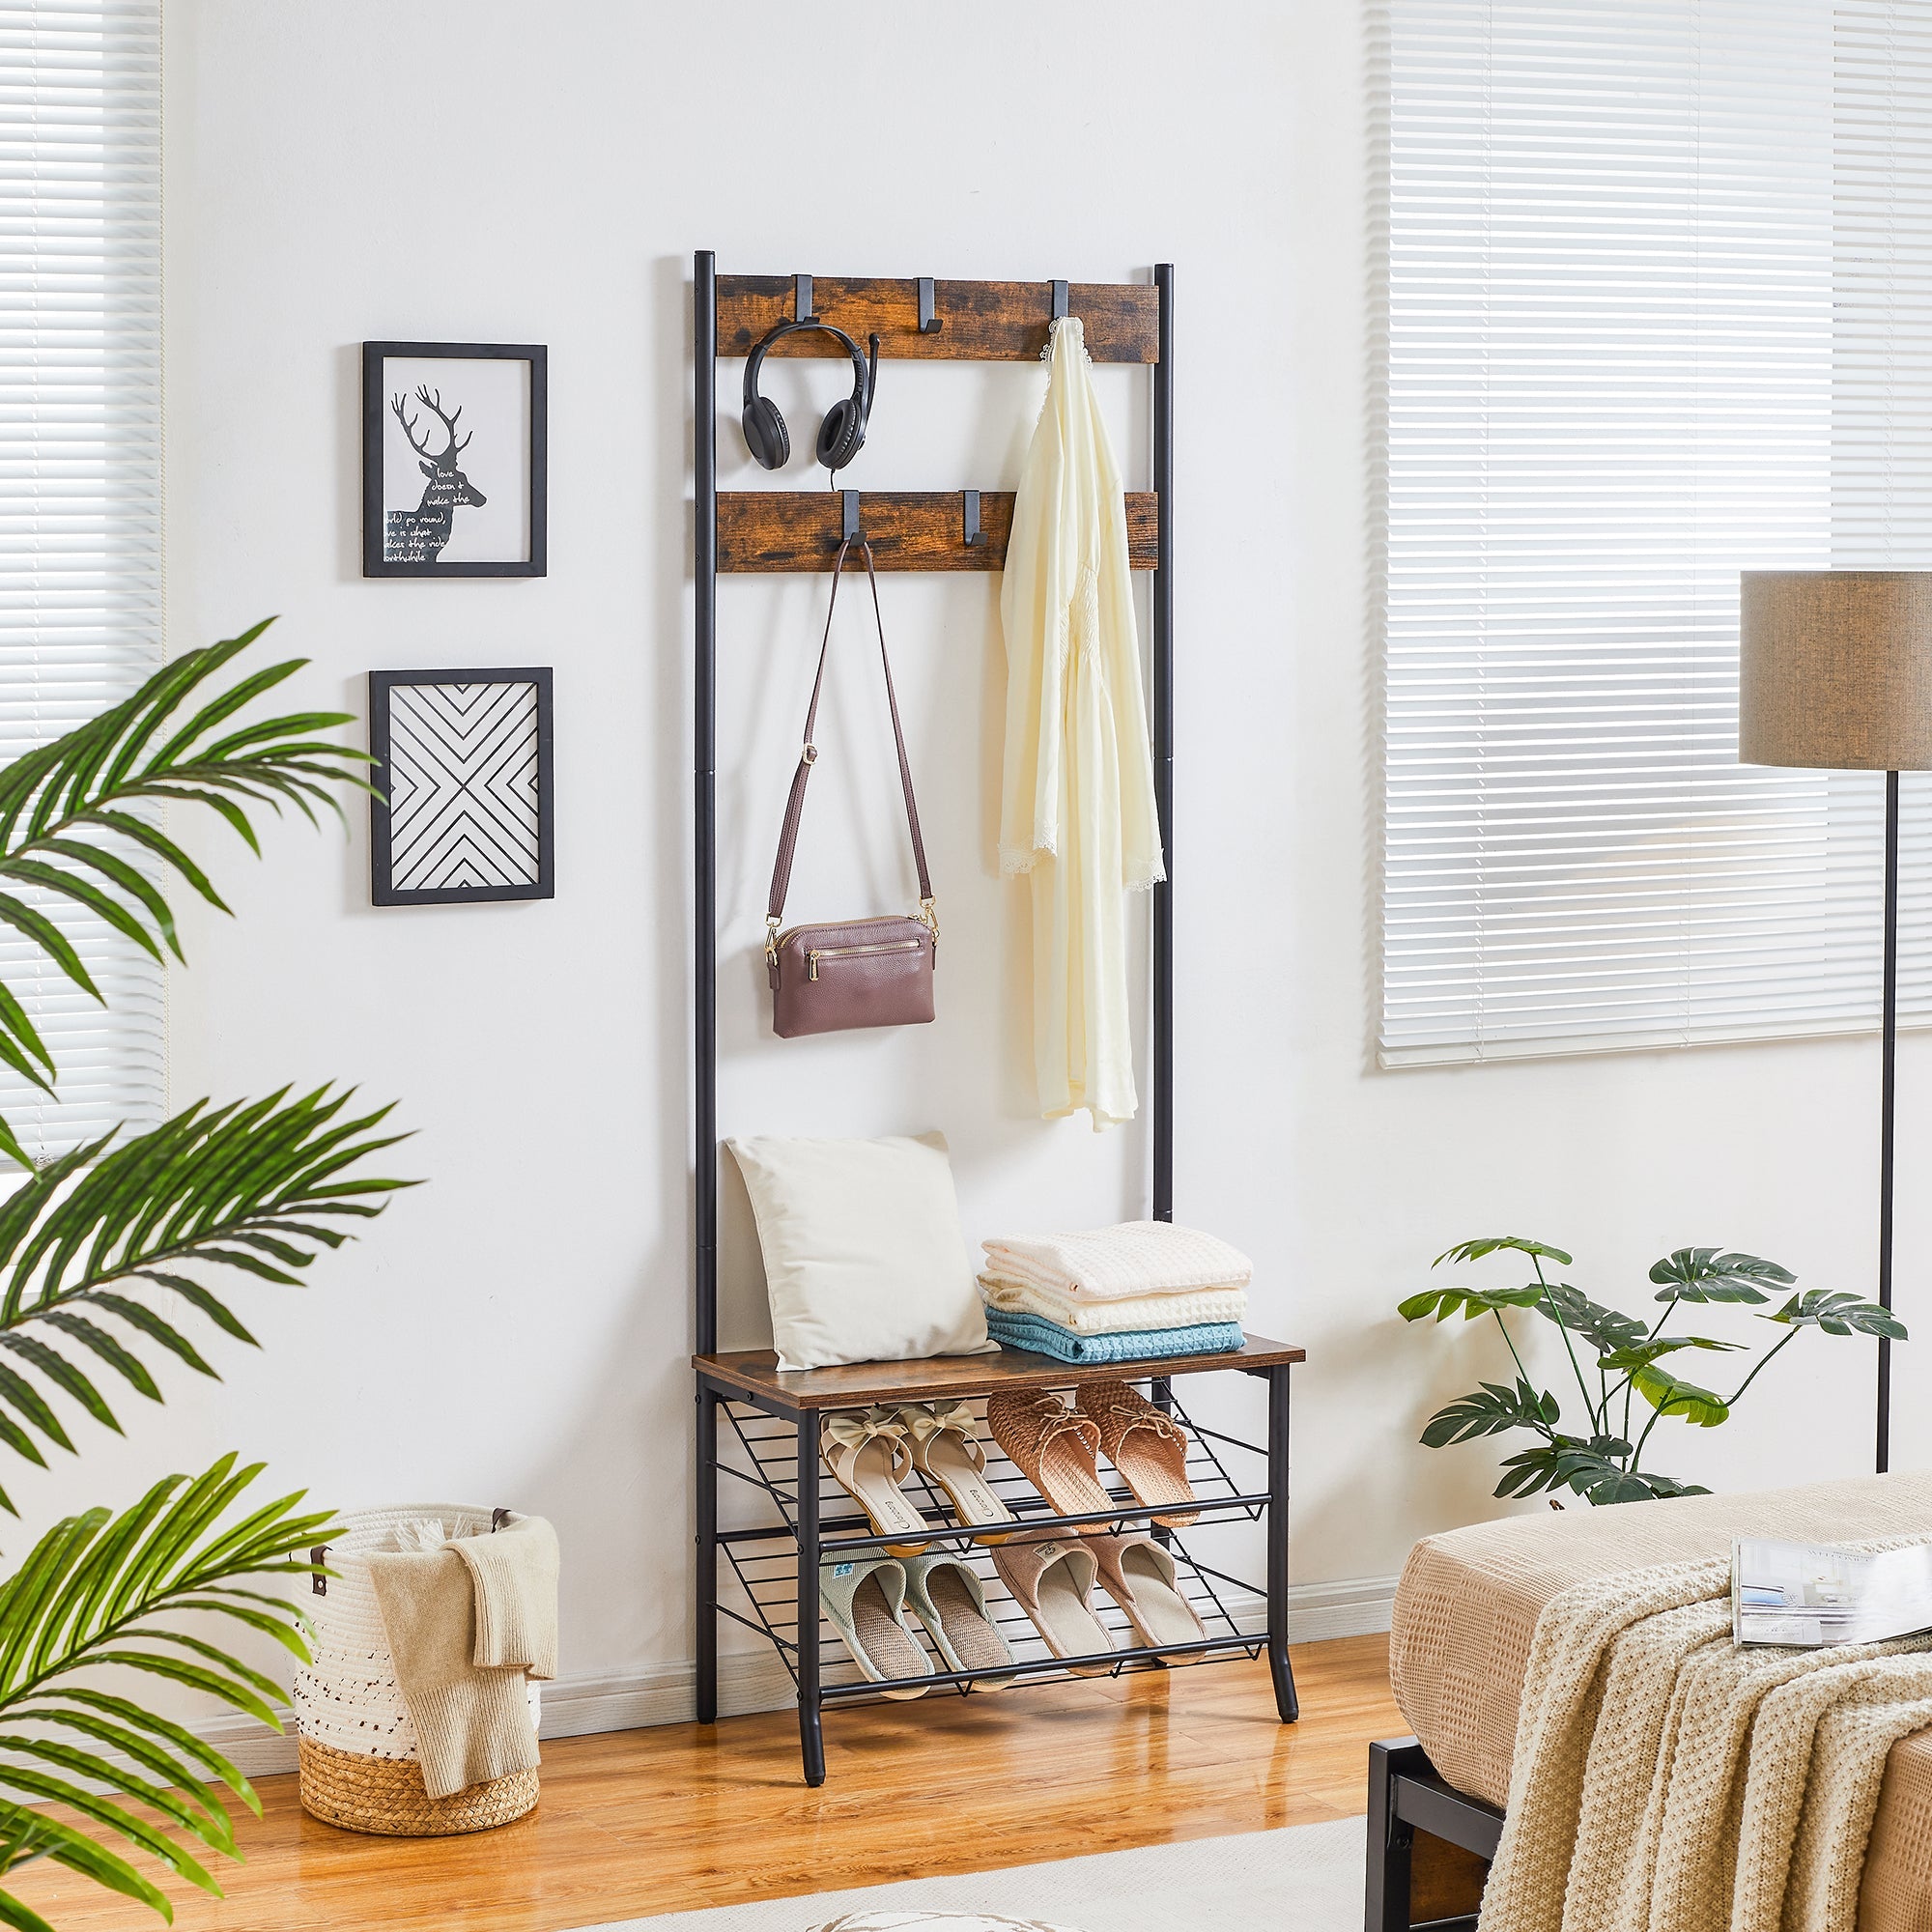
(102, 1591)
(1838, 1314)
(1474, 1251)
(1605, 1329)
(66, 805)
(213, 1191)
(1669, 1395)
(1491, 1412)
(1641, 1355)
(1470, 1302)
(1708, 1274)
(1564, 1461)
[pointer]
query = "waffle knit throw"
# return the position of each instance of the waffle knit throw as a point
(464, 1627)
(1668, 1779)
(1132, 1345)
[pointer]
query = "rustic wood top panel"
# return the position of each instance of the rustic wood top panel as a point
(909, 530)
(984, 322)
(756, 1371)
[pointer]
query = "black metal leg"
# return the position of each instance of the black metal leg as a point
(1391, 1846)
(811, 1734)
(1279, 1667)
(707, 1556)
(1161, 1394)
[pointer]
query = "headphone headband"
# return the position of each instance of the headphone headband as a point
(845, 422)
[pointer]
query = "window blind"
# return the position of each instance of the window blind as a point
(80, 487)
(1657, 287)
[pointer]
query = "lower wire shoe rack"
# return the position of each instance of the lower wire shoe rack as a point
(763, 1429)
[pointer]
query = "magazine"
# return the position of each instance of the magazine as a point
(1807, 1595)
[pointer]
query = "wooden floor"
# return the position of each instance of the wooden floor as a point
(670, 1819)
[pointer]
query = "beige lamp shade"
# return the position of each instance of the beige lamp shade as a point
(1835, 670)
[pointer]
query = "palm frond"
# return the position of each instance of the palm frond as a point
(65, 808)
(100, 1249)
(98, 1590)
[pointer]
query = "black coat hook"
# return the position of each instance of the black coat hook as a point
(801, 297)
(969, 515)
(1059, 300)
(928, 322)
(848, 503)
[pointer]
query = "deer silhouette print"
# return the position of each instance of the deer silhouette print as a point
(419, 535)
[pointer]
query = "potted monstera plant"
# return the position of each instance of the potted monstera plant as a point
(126, 1249)
(1627, 1368)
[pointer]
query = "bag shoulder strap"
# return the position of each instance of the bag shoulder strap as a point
(795, 804)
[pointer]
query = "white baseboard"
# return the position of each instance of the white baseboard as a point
(750, 1681)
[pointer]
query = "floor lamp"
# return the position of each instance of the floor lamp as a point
(1836, 673)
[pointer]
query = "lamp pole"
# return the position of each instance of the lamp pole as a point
(1887, 1068)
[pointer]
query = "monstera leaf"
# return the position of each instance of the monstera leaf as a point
(1838, 1315)
(1491, 1244)
(1490, 1412)
(1704, 1274)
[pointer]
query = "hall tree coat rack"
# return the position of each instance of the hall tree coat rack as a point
(756, 1424)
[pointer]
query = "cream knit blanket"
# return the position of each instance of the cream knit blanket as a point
(1666, 1779)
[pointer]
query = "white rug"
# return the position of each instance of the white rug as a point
(1305, 1879)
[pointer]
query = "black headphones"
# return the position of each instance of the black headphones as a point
(841, 435)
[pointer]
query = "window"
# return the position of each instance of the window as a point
(80, 485)
(1654, 314)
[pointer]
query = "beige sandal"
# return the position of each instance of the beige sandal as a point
(1139, 1574)
(1053, 1448)
(868, 1455)
(946, 1447)
(1143, 1443)
(1051, 1578)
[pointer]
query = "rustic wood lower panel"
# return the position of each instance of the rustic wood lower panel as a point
(775, 530)
(636, 1823)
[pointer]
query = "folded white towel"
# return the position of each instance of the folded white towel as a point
(1135, 1258)
(1127, 1312)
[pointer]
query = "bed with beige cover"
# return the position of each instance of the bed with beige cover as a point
(1469, 1602)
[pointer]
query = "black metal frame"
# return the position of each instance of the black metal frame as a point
(1888, 1095)
(374, 415)
(1408, 1795)
(805, 1531)
(382, 891)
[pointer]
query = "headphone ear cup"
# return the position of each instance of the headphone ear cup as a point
(841, 435)
(765, 434)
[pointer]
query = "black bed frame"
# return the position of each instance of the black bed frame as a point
(1409, 1800)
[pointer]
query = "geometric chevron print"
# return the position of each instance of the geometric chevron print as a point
(462, 785)
(464, 758)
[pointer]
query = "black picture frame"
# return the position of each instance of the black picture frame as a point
(375, 412)
(383, 890)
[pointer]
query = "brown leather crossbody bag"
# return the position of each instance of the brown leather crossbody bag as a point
(850, 973)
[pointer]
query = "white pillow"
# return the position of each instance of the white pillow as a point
(864, 1258)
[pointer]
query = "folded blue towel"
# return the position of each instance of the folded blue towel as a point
(1128, 1345)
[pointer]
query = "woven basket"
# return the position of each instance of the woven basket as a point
(356, 1745)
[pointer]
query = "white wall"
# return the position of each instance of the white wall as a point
(518, 1328)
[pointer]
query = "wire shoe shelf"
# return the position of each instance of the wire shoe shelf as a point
(763, 1558)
